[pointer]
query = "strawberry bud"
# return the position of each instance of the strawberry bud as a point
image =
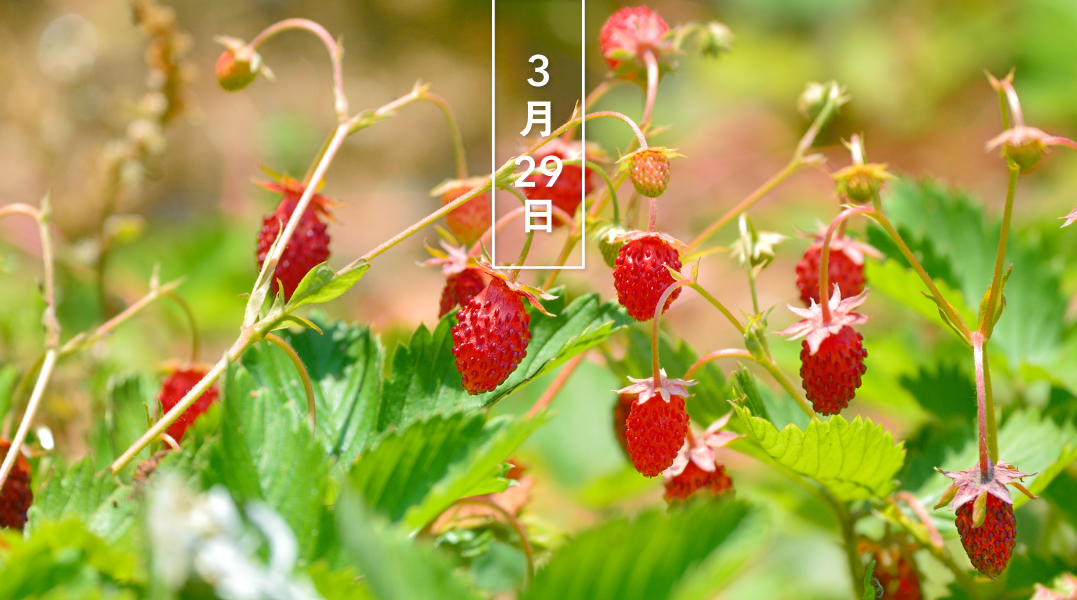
(234, 74)
(861, 182)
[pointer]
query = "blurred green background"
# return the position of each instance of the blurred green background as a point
(72, 74)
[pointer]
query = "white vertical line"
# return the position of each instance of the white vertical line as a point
(583, 130)
(493, 131)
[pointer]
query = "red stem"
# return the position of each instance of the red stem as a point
(824, 272)
(981, 402)
(654, 330)
(555, 387)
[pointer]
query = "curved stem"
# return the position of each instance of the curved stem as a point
(824, 259)
(658, 310)
(31, 408)
(85, 339)
(454, 132)
(988, 323)
(312, 410)
(599, 91)
(169, 441)
(587, 117)
(652, 85)
(712, 356)
(595, 168)
(434, 216)
(721, 308)
(745, 204)
(528, 552)
(955, 318)
(769, 365)
(187, 312)
(558, 383)
(512, 215)
(921, 513)
(335, 55)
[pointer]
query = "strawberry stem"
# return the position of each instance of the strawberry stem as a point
(658, 310)
(558, 383)
(189, 314)
(769, 365)
(335, 55)
(981, 404)
(652, 86)
(824, 259)
(654, 214)
(987, 325)
(459, 154)
(523, 255)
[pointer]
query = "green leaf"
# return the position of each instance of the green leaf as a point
(581, 325)
(951, 226)
(423, 379)
(394, 566)
(322, 284)
(744, 385)
(64, 558)
(267, 452)
(639, 559)
(345, 367)
(126, 404)
(400, 468)
(854, 461)
(9, 377)
(479, 473)
(901, 284)
(94, 498)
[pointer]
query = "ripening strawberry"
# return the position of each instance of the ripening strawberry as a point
(460, 288)
(570, 186)
(491, 337)
(895, 570)
(233, 74)
(16, 495)
(472, 218)
(309, 244)
(657, 423)
(989, 543)
(695, 469)
(845, 267)
(628, 34)
(832, 356)
(641, 274)
(174, 388)
(649, 171)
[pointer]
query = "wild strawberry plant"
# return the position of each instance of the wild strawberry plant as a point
(310, 461)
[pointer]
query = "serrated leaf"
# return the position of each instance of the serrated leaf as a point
(394, 566)
(322, 284)
(267, 452)
(345, 367)
(126, 404)
(639, 559)
(400, 468)
(79, 493)
(479, 472)
(59, 555)
(855, 461)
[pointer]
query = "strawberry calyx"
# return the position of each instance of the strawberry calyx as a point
(530, 293)
(452, 259)
(815, 328)
(700, 449)
(292, 190)
(646, 389)
(971, 485)
(669, 240)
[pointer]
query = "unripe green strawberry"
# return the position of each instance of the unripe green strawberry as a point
(609, 244)
(649, 170)
(233, 74)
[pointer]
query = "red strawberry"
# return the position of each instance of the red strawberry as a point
(16, 495)
(895, 570)
(471, 219)
(566, 192)
(641, 276)
(491, 337)
(657, 423)
(174, 388)
(845, 267)
(620, 419)
(990, 545)
(460, 288)
(309, 245)
(832, 356)
(694, 479)
(649, 170)
(832, 375)
(627, 34)
(695, 468)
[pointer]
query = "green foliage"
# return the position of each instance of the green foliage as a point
(266, 452)
(9, 378)
(66, 560)
(345, 365)
(322, 284)
(95, 499)
(854, 460)
(395, 567)
(643, 558)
